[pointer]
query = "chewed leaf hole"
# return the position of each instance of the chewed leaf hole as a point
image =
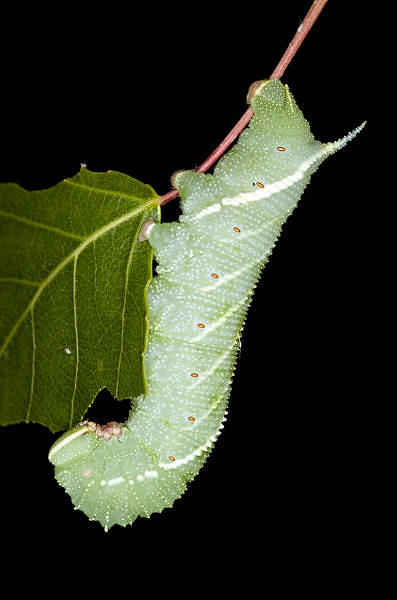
(105, 408)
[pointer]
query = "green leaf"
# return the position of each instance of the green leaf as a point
(73, 279)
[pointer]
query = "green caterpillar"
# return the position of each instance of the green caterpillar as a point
(209, 263)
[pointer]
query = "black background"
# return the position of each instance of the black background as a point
(285, 498)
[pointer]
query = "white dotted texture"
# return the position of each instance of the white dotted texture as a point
(208, 265)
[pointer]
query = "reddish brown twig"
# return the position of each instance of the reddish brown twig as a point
(302, 31)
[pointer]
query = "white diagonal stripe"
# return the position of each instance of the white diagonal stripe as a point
(220, 321)
(282, 184)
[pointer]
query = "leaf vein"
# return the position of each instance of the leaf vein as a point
(41, 225)
(127, 272)
(104, 191)
(21, 281)
(91, 238)
(76, 373)
(27, 418)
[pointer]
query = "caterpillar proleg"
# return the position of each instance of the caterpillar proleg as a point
(208, 265)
